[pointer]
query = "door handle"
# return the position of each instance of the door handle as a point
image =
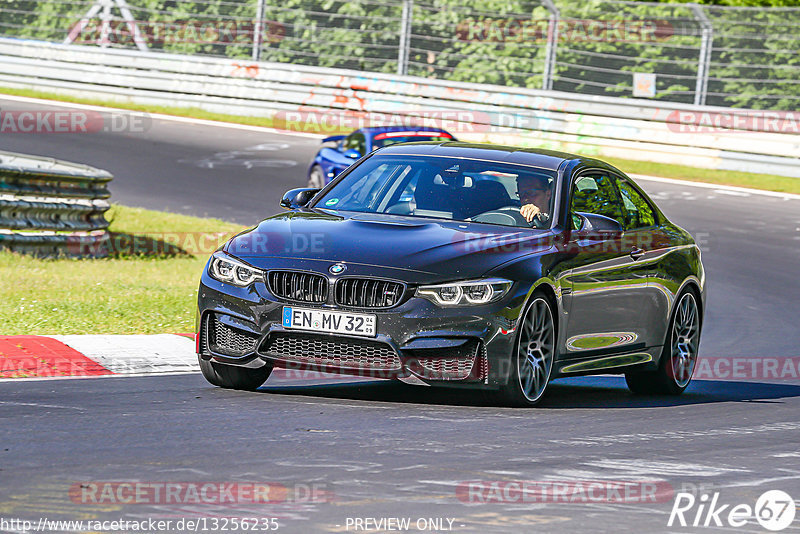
(636, 253)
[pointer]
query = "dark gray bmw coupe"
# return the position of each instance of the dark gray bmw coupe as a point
(461, 265)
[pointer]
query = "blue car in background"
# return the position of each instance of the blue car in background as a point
(331, 160)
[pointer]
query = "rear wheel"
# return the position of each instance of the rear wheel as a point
(532, 361)
(316, 179)
(233, 377)
(679, 355)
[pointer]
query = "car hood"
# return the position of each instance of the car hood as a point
(407, 248)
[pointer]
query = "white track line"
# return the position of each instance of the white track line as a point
(718, 187)
(245, 127)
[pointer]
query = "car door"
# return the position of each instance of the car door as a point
(607, 283)
(646, 240)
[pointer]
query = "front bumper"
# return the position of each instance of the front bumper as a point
(416, 341)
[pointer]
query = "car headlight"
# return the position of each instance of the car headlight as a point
(226, 269)
(466, 293)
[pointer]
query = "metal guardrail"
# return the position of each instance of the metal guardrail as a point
(690, 53)
(592, 125)
(52, 208)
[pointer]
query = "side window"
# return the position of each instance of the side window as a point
(365, 190)
(638, 212)
(408, 191)
(595, 193)
(357, 141)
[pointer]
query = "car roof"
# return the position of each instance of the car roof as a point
(382, 129)
(537, 157)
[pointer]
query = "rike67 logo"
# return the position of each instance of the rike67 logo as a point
(774, 510)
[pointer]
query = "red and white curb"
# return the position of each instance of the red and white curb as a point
(96, 355)
(47, 357)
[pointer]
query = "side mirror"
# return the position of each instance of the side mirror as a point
(352, 153)
(297, 198)
(604, 227)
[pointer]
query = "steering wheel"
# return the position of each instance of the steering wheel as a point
(508, 216)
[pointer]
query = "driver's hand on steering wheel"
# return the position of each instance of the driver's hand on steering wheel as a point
(530, 211)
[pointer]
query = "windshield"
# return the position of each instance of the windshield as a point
(392, 138)
(446, 188)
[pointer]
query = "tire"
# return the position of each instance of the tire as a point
(679, 356)
(316, 178)
(534, 355)
(233, 377)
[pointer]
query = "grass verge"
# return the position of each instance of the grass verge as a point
(766, 182)
(144, 293)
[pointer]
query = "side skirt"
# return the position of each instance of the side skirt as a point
(606, 362)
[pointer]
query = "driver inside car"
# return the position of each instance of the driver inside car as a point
(534, 195)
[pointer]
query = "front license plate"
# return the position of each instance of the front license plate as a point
(358, 324)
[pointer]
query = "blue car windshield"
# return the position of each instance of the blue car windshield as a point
(444, 188)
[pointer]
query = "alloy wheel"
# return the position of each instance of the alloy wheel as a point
(536, 349)
(685, 337)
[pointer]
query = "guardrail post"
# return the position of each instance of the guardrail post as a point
(552, 45)
(105, 21)
(704, 61)
(405, 38)
(258, 30)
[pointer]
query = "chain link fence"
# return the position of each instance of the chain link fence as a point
(724, 56)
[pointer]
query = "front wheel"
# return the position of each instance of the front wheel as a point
(233, 377)
(679, 356)
(534, 354)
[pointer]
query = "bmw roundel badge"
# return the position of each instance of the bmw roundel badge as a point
(337, 268)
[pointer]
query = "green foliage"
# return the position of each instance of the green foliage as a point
(755, 56)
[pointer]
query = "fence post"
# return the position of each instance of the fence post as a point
(405, 38)
(552, 45)
(258, 30)
(704, 61)
(138, 39)
(103, 7)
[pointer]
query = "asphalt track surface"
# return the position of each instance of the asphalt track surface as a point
(382, 449)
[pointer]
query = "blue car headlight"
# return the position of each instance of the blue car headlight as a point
(466, 293)
(225, 269)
